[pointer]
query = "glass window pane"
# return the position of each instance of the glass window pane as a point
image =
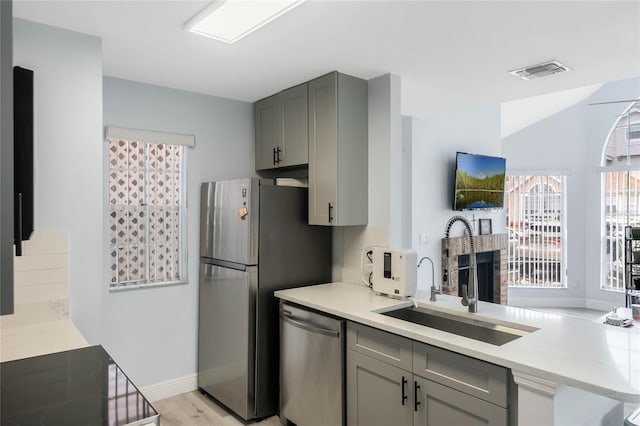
(146, 211)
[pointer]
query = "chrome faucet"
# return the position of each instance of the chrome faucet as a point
(468, 299)
(434, 290)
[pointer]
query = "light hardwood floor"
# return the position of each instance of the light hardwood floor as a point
(195, 409)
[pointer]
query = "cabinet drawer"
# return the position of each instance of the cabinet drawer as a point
(469, 375)
(386, 347)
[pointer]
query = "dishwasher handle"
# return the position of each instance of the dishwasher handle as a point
(286, 316)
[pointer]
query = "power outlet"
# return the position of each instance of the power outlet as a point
(423, 239)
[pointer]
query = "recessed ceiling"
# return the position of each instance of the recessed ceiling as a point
(449, 54)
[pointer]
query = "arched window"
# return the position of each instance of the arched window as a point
(620, 193)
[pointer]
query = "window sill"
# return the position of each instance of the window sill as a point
(612, 290)
(529, 287)
(146, 285)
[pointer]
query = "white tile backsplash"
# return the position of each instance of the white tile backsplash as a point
(356, 239)
(40, 281)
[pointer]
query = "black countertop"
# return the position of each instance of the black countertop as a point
(80, 387)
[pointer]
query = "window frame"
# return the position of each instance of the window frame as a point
(626, 162)
(182, 215)
(523, 215)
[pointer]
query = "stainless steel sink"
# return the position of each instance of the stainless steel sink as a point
(495, 334)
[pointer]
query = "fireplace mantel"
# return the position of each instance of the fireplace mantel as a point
(459, 246)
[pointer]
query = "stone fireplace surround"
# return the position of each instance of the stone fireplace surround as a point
(484, 243)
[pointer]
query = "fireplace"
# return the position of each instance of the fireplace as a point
(491, 259)
(484, 270)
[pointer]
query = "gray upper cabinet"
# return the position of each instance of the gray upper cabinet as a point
(282, 129)
(295, 133)
(268, 121)
(338, 139)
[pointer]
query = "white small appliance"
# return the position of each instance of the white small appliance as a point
(395, 271)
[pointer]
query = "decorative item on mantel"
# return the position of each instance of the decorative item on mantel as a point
(485, 226)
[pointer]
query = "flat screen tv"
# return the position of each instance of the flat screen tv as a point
(479, 182)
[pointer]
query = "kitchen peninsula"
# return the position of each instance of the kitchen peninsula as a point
(566, 369)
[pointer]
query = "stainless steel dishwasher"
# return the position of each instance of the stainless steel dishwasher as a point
(311, 368)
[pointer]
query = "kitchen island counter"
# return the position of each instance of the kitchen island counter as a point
(589, 356)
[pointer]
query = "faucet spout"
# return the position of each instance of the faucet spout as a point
(434, 290)
(469, 299)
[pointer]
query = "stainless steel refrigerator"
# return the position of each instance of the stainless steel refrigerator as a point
(254, 239)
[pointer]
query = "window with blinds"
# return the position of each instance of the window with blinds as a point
(146, 213)
(536, 230)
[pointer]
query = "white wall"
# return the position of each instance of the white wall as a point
(435, 141)
(68, 154)
(153, 332)
(385, 159)
(554, 144)
(600, 119)
(573, 140)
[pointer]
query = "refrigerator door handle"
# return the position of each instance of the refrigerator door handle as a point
(308, 326)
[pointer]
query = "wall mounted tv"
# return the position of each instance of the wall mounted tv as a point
(479, 182)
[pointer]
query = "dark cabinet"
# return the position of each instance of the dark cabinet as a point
(23, 154)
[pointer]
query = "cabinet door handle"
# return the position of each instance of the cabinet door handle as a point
(17, 224)
(278, 151)
(404, 396)
(416, 400)
(274, 156)
(330, 209)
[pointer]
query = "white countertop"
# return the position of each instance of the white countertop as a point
(39, 339)
(594, 357)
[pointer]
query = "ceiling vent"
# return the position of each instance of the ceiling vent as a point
(540, 70)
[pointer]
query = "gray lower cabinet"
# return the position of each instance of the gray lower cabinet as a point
(439, 405)
(385, 383)
(377, 393)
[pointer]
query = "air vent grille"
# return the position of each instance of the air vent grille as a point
(540, 70)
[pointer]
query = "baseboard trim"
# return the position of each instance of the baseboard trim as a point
(602, 305)
(170, 388)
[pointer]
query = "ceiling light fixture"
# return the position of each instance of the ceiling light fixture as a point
(231, 20)
(544, 69)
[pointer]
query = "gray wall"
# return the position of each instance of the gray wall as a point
(435, 141)
(153, 332)
(68, 154)
(6, 157)
(573, 140)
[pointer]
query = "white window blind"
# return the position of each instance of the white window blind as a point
(536, 230)
(146, 213)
